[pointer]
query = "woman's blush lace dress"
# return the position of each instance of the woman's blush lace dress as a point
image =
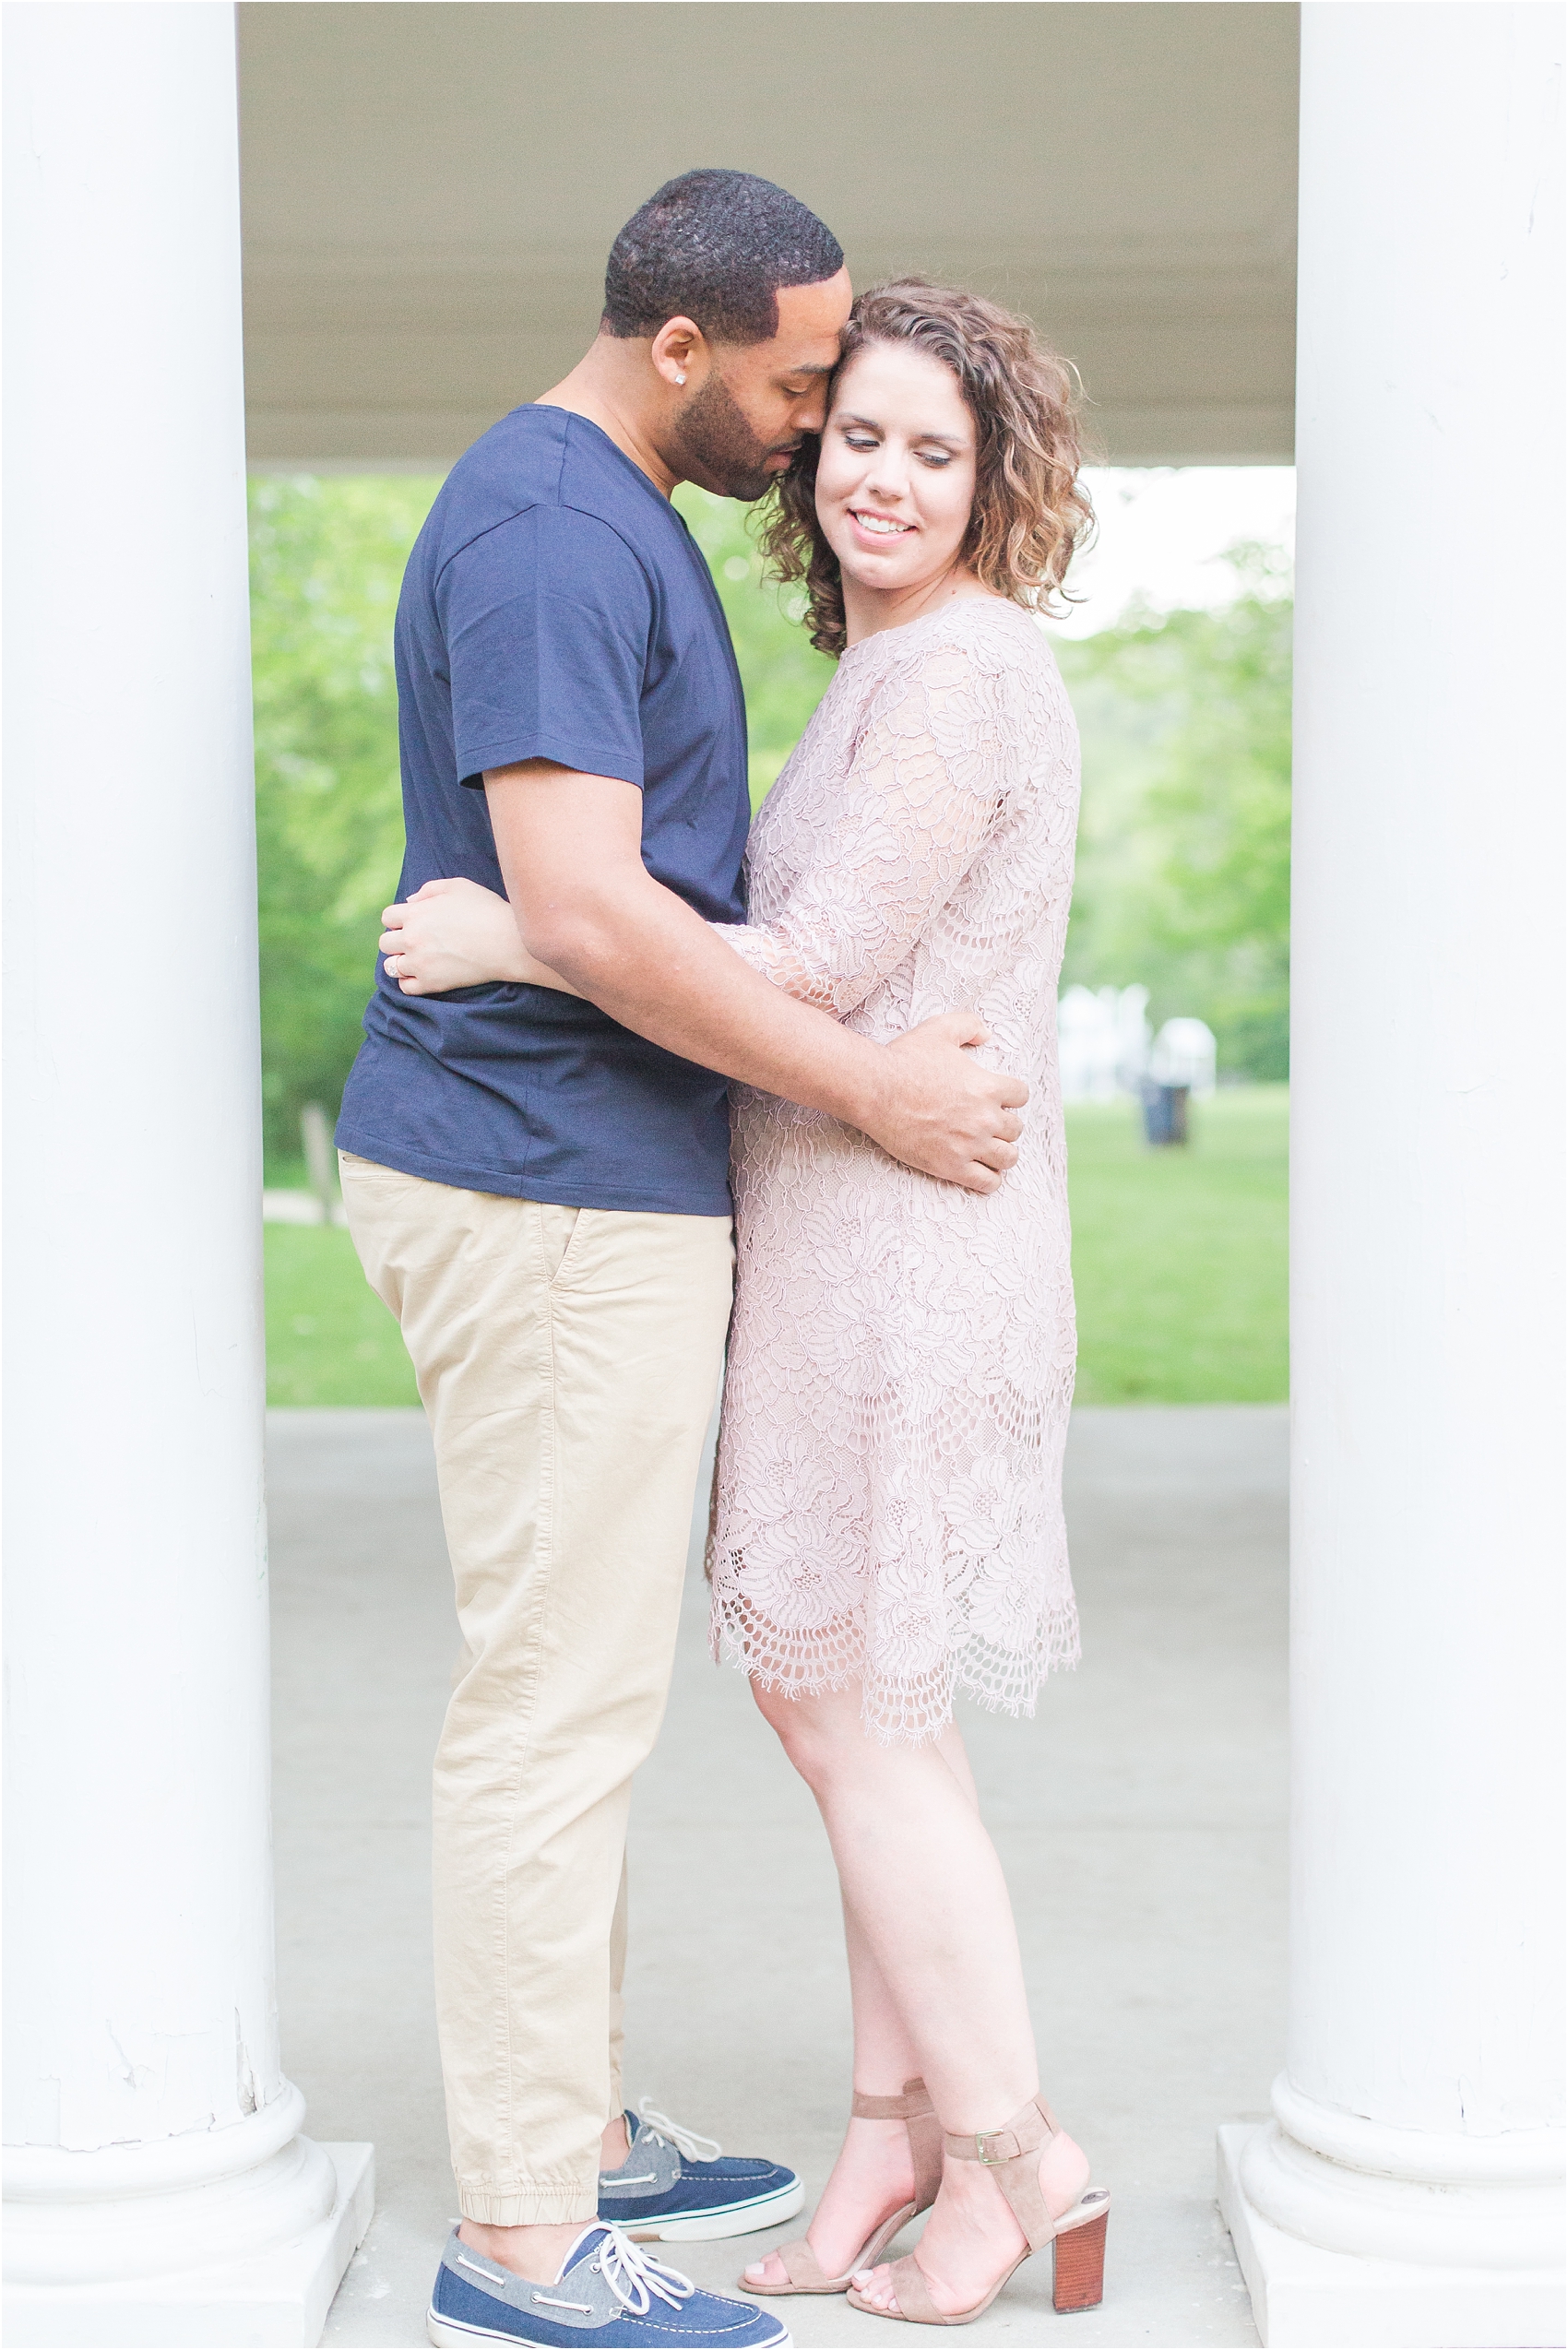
(887, 1506)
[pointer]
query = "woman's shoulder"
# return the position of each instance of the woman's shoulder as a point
(978, 682)
(986, 635)
(977, 647)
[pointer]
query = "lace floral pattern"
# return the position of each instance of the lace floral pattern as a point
(887, 1505)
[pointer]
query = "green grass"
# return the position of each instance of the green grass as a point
(1179, 1256)
(1178, 1259)
(329, 1338)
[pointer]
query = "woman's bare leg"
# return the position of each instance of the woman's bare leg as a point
(874, 2172)
(938, 1963)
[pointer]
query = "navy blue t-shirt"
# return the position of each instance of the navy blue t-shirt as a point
(556, 607)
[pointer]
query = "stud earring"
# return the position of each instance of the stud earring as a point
(679, 379)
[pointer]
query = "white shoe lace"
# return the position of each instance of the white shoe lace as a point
(695, 2148)
(634, 2277)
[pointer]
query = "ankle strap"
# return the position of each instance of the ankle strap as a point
(1028, 2129)
(915, 2101)
(1010, 2155)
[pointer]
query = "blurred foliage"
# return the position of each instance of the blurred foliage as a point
(1183, 867)
(785, 679)
(327, 563)
(1184, 849)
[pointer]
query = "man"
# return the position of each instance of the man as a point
(538, 1186)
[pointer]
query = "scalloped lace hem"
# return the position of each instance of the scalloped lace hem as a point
(897, 1710)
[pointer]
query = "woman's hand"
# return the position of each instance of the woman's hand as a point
(457, 934)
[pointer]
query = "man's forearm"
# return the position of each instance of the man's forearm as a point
(643, 955)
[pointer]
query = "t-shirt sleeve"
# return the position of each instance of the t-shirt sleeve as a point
(547, 621)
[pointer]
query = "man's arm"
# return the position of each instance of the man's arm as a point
(570, 848)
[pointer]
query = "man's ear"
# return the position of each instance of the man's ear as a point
(679, 351)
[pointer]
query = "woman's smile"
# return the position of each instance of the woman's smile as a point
(875, 526)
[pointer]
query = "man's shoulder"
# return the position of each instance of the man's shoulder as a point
(547, 471)
(595, 478)
(508, 471)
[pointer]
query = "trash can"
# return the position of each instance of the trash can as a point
(1181, 1064)
(1165, 1114)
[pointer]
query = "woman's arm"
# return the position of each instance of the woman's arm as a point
(930, 774)
(458, 934)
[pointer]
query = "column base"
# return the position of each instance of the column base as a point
(274, 2301)
(1305, 2299)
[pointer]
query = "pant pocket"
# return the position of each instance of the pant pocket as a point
(557, 1231)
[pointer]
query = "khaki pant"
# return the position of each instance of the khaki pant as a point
(568, 1359)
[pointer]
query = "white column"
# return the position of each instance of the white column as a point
(157, 2187)
(1409, 2187)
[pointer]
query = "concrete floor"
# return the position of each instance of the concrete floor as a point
(1141, 1818)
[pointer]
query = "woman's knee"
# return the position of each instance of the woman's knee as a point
(817, 1728)
(781, 1710)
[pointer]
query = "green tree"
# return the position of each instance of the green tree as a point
(1184, 845)
(784, 678)
(326, 562)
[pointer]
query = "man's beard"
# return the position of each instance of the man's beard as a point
(717, 448)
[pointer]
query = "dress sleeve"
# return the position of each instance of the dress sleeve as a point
(927, 781)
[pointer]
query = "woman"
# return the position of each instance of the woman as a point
(887, 1520)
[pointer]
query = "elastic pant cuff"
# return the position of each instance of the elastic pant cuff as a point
(529, 2206)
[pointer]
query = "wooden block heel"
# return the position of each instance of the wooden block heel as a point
(1079, 2281)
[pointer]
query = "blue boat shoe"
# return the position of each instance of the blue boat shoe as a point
(667, 2190)
(607, 2297)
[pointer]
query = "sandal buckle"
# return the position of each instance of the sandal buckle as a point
(992, 2162)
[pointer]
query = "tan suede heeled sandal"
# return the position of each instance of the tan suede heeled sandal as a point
(915, 2110)
(1077, 2238)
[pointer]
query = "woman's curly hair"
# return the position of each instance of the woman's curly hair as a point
(1030, 513)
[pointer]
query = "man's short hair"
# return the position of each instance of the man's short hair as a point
(715, 247)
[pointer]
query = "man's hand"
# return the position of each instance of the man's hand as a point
(457, 934)
(946, 1114)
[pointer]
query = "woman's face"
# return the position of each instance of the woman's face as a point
(896, 478)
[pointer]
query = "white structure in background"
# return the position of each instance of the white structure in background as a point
(1184, 1054)
(1408, 2189)
(158, 2190)
(1102, 1041)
